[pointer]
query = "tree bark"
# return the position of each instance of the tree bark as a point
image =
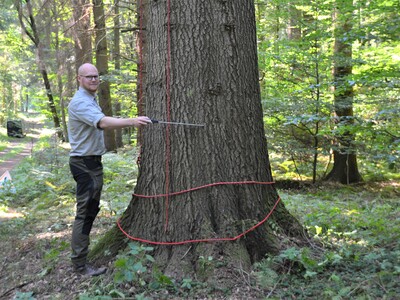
(141, 42)
(82, 32)
(103, 92)
(295, 20)
(117, 66)
(345, 169)
(214, 81)
(60, 58)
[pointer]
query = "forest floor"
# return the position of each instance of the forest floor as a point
(27, 247)
(34, 261)
(16, 150)
(358, 225)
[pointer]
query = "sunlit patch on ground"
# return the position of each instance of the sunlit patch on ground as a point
(52, 235)
(7, 215)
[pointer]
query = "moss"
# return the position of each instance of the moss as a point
(108, 246)
(238, 252)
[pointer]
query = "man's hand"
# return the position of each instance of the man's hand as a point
(141, 121)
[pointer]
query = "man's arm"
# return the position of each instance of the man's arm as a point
(115, 123)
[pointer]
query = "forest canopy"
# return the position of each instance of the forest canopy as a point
(296, 57)
(296, 51)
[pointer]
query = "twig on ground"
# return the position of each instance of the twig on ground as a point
(2, 266)
(14, 288)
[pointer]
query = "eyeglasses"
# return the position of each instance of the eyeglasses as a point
(90, 77)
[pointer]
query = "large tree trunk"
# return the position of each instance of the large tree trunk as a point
(345, 169)
(214, 81)
(103, 92)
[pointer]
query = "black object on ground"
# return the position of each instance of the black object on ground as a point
(15, 129)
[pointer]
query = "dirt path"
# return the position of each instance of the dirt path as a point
(12, 162)
(33, 132)
(9, 162)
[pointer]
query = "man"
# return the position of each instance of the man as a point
(85, 130)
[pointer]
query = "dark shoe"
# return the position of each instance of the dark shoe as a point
(89, 270)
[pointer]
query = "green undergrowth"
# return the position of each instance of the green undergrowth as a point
(42, 190)
(377, 169)
(3, 138)
(353, 253)
(28, 130)
(11, 152)
(44, 179)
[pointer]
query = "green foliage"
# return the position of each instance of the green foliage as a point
(206, 266)
(120, 173)
(355, 253)
(132, 265)
(24, 296)
(37, 177)
(358, 226)
(187, 283)
(45, 182)
(52, 256)
(87, 297)
(355, 228)
(295, 47)
(295, 43)
(15, 59)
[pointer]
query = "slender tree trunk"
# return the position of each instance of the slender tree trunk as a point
(316, 96)
(60, 66)
(213, 81)
(294, 32)
(26, 102)
(33, 34)
(82, 32)
(3, 102)
(103, 92)
(117, 66)
(345, 169)
(294, 29)
(141, 42)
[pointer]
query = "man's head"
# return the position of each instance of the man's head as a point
(88, 77)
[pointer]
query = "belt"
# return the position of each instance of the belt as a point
(87, 157)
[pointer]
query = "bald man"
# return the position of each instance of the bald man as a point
(85, 129)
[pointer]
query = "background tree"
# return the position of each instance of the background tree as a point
(295, 61)
(295, 76)
(296, 84)
(116, 54)
(210, 76)
(62, 53)
(345, 169)
(6, 78)
(82, 32)
(28, 25)
(101, 49)
(376, 74)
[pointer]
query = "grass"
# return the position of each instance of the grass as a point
(5, 141)
(355, 253)
(359, 227)
(13, 152)
(3, 138)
